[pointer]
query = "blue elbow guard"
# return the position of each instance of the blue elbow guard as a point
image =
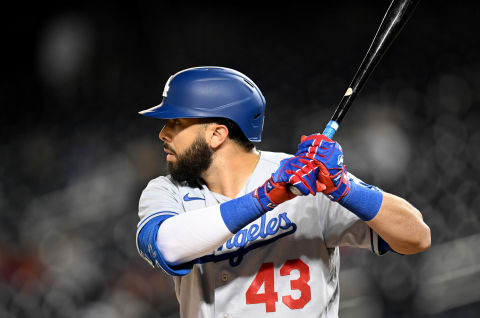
(147, 246)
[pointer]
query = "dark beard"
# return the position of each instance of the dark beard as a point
(192, 163)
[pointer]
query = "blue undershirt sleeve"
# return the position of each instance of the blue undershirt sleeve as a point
(383, 246)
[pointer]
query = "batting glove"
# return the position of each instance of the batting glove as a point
(299, 171)
(360, 198)
(332, 171)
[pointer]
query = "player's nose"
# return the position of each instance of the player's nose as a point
(164, 134)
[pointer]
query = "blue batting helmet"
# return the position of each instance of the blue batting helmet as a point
(201, 92)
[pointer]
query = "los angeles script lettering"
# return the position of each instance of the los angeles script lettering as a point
(264, 230)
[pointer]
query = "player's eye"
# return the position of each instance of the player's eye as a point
(174, 122)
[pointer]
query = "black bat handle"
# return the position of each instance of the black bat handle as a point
(397, 15)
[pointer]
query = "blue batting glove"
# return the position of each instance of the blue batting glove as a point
(360, 198)
(332, 171)
(300, 172)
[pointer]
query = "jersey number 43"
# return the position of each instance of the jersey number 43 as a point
(265, 277)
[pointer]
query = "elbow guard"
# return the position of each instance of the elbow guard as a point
(147, 246)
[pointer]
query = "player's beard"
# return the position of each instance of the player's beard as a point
(192, 162)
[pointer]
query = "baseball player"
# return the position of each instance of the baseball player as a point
(225, 222)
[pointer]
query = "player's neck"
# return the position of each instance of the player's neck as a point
(230, 170)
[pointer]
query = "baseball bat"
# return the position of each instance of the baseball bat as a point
(396, 17)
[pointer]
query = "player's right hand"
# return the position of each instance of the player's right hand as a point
(300, 172)
(329, 156)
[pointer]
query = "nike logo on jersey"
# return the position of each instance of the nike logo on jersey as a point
(187, 198)
(253, 237)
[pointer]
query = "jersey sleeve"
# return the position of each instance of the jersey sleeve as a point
(343, 228)
(158, 202)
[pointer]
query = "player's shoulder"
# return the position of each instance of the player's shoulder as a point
(165, 183)
(161, 180)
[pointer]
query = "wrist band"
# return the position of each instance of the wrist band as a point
(363, 200)
(239, 212)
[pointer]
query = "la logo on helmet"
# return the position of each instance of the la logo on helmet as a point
(167, 87)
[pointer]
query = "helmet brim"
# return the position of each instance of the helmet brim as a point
(167, 111)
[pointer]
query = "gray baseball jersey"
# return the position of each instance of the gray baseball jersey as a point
(284, 263)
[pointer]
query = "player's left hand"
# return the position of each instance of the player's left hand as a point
(329, 155)
(302, 173)
(299, 171)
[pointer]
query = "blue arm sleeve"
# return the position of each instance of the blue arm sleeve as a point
(147, 247)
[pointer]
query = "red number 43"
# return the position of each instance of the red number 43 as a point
(265, 277)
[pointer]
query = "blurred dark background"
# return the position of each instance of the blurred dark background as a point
(75, 155)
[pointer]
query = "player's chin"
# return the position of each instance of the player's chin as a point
(171, 158)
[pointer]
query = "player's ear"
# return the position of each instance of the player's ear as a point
(216, 135)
